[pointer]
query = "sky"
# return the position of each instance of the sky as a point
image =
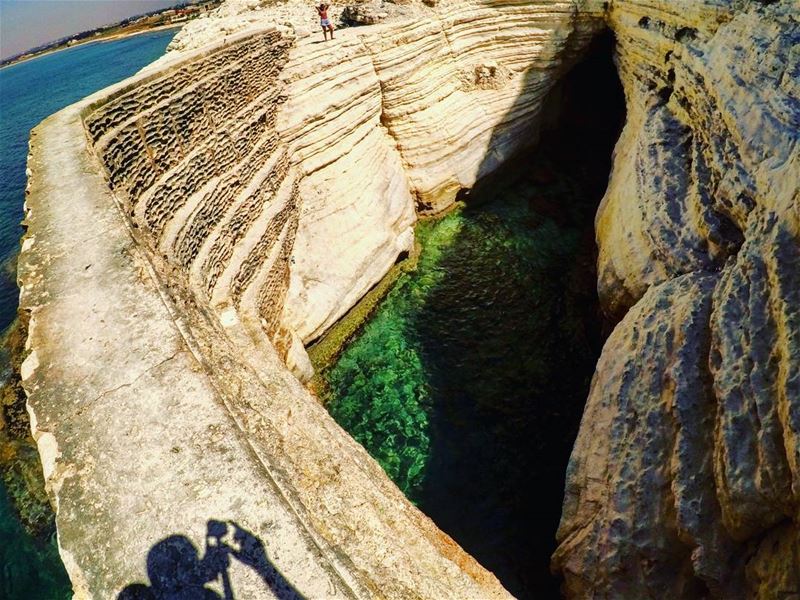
(25, 24)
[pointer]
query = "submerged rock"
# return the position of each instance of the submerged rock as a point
(253, 185)
(20, 469)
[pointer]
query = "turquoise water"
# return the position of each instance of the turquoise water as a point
(29, 92)
(33, 90)
(468, 382)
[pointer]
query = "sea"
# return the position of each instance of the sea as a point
(467, 383)
(30, 91)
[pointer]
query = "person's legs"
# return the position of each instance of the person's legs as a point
(330, 28)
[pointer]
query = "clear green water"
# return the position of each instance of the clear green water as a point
(468, 382)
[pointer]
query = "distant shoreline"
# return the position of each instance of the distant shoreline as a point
(109, 38)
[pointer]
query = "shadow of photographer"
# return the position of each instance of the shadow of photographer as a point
(177, 572)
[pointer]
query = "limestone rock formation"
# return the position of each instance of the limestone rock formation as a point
(155, 416)
(247, 193)
(296, 16)
(366, 12)
(685, 478)
(371, 125)
(252, 185)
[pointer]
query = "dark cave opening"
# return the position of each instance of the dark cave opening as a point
(507, 419)
(468, 383)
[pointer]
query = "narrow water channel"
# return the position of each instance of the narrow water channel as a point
(468, 382)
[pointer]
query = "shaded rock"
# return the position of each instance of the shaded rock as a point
(684, 469)
(640, 513)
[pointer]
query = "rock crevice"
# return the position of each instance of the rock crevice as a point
(252, 190)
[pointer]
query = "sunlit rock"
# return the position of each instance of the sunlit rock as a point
(200, 223)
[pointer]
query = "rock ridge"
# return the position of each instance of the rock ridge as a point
(248, 192)
(683, 480)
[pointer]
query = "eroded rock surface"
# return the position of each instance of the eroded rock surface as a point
(245, 194)
(684, 478)
(250, 191)
(367, 127)
(155, 416)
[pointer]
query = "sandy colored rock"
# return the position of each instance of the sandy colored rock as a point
(379, 122)
(221, 178)
(684, 477)
(238, 196)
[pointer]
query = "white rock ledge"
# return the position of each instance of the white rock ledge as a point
(151, 420)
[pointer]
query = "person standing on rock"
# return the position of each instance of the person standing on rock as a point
(327, 26)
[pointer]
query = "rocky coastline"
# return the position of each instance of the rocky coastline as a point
(251, 189)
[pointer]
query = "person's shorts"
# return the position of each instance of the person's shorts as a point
(325, 22)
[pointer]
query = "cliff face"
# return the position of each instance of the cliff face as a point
(156, 416)
(250, 191)
(397, 116)
(685, 477)
(357, 132)
(244, 194)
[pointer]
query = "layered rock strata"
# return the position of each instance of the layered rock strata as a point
(245, 195)
(685, 478)
(249, 192)
(391, 116)
(194, 156)
(385, 118)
